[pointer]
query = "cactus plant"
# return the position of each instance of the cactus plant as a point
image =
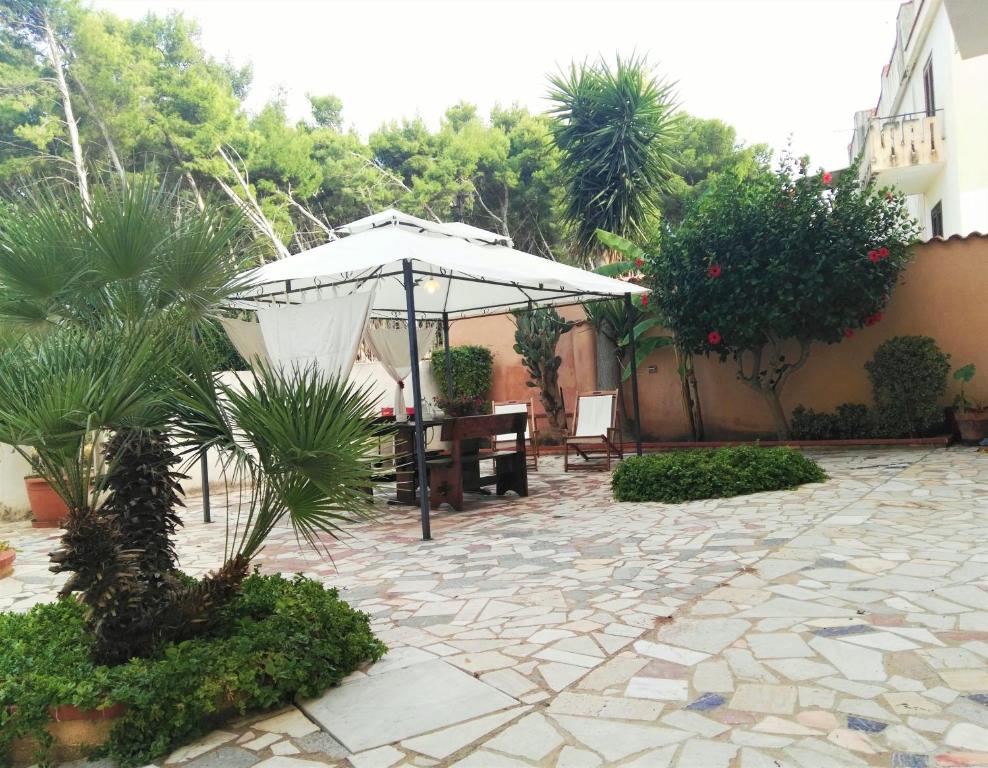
(537, 333)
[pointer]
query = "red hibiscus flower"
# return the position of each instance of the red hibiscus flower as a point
(883, 252)
(875, 318)
(848, 333)
(645, 301)
(713, 337)
(873, 255)
(714, 271)
(639, 263)
(827, 177)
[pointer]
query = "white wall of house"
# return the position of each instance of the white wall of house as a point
(926, 34)
(13, 494)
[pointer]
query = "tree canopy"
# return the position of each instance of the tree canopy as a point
(766, 263)
(145, 98)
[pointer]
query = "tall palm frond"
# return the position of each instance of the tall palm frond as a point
(614, 126)
(304, 442)
(63, 390)
(135, 252)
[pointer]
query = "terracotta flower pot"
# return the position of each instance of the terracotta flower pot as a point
(7, 557)
(74, 732)
(972, 424)
(47, 506)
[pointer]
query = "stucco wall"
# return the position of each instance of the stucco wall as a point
(942, 294)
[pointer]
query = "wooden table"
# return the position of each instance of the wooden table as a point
(460, 468)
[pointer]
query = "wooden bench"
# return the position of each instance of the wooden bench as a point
(459, 470)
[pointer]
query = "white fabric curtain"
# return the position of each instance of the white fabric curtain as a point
(325, 333)
(247, 340)
(390, 346)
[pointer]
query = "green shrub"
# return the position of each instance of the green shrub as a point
(473, 371)
(908, 377)
(851, 421)
(281, 639)
(707, 473)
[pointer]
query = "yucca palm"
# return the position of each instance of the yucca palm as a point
(613, 125)
(99, 307)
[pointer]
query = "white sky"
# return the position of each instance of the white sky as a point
(771, 68)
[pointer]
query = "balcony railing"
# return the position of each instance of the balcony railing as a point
(905, 151)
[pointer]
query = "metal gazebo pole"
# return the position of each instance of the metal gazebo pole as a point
(449, 359)
(413, 355)
(633, 353)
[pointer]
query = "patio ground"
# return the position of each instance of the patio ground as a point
(840, 624)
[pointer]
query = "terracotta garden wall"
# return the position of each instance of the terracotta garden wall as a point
(943, 294)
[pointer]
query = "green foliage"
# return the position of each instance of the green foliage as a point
(908, 377)
(613, 126)
(780, 258)
(473, 371)
(703, 149)
(964, 375)
(281, 639)
(851, 421)
(708, 473)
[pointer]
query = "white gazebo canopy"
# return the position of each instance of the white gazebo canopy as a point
(399, 267)
(459, 270)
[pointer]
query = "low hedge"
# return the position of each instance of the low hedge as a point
(281, 639)
(708, 473)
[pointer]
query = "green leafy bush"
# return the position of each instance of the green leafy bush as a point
(851, 421)
(473, 370)
(280, 639)
(908, 377)
(708, 473)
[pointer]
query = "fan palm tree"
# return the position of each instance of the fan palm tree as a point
(100, 306)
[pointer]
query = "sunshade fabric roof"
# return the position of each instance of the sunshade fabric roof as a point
(470, 271)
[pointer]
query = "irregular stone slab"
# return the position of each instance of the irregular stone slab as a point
(444, 743)
(767, 699)
(616, 740)
(662, 689)
(855, 664)
(532, 738)
(201, 747)
(397, 658)
(382, 709)
(288, 762)
(787, 606)
(290, 723)
(382, 757)
(224, 757)
(710, 635)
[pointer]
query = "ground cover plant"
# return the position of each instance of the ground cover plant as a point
(279, 639)
(708, 473)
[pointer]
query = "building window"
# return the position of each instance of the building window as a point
(936, 220)
(931, 102)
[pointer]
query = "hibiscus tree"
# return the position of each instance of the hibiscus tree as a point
(764, 266)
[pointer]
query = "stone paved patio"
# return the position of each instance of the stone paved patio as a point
(840, 624)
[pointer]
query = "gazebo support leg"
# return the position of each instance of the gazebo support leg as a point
(633, 354)
(449, 358)
(413, 355)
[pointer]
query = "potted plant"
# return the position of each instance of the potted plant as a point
(7, 556)
(971, 417)
(47, 507)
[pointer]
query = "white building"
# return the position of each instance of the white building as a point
(928, 134)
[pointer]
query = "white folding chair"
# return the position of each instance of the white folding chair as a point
(596, 430)
(531, 433)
